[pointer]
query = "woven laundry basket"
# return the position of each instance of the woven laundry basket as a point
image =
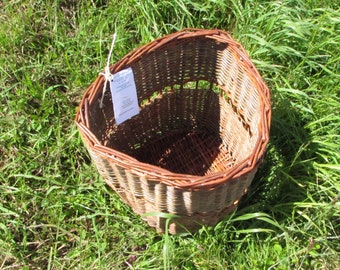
(199, 137)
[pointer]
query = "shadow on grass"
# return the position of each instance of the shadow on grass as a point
(287, 168)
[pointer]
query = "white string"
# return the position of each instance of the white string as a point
(107, 74)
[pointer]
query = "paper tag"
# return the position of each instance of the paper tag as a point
(124, 95)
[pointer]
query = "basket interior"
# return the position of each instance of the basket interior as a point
(199, 110)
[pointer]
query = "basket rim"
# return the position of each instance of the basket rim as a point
(153, 172)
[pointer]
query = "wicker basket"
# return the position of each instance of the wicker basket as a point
(199, 138)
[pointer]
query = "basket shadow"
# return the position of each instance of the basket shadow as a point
(282, 177)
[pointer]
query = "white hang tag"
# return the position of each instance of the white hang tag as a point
(124, 95)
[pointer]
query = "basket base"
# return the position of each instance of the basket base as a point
(189, 224)
(208, 206)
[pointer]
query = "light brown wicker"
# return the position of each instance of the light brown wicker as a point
(199, 138)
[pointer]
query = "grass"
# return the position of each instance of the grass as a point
(56, 212)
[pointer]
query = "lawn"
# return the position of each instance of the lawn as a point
(56, 212)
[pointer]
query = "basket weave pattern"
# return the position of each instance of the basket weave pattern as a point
(199, 138)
